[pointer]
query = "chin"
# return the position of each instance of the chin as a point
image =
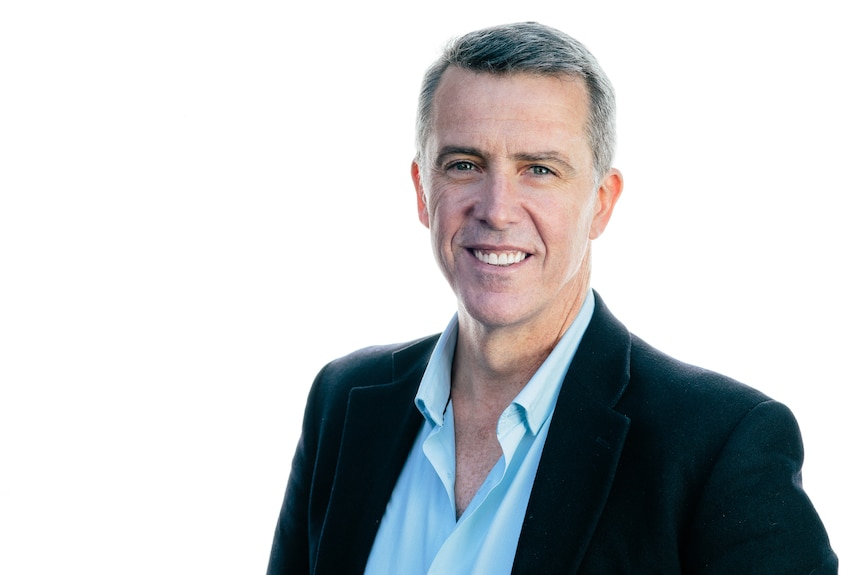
(493, 310)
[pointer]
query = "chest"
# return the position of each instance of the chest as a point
(477, 451)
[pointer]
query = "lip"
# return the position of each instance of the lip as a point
(497, 248)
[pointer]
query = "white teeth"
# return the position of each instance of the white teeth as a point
(499, 259)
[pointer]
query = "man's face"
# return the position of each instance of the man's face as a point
(507, 191)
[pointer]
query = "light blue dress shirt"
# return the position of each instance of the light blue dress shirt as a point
(419, 534)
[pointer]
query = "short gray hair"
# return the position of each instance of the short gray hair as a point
(528, 47)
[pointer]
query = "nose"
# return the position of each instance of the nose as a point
(497, 202)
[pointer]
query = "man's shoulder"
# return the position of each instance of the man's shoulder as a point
(667, 375)
(653, 379)
(394, 370)
(697, 407)
(376, 365)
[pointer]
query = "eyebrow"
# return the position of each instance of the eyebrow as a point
(460, 150)
(541, 157)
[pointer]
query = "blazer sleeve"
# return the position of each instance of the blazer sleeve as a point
(753, 516)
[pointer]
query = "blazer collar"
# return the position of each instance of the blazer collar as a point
(380, 426)
(581, 453)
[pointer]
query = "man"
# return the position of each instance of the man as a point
(536, 434)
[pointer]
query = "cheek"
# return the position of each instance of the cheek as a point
(567, 233)
(442, 230)
(445, 216)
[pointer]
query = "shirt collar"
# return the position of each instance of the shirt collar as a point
(433, 394)
(536, 401)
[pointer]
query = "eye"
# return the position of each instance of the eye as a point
(539, 171)
(462, 166)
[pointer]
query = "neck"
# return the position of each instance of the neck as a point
(493, 364)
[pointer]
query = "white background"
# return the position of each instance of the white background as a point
(203, 202)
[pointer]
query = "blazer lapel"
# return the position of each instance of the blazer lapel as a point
(581, 452)
(380, 426)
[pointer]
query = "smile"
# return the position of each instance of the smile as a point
(499, 258)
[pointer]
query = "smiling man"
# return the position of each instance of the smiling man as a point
(535, 434)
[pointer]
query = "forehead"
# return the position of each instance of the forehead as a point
(488, 105)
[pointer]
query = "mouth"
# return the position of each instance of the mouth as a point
(501, 259)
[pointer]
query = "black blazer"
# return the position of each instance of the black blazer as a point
(650, 466)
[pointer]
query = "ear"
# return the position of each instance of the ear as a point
(606, 198)
(421, 200)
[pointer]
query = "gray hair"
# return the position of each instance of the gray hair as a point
(533, 48)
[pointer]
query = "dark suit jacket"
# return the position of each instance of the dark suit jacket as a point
(650, 466)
